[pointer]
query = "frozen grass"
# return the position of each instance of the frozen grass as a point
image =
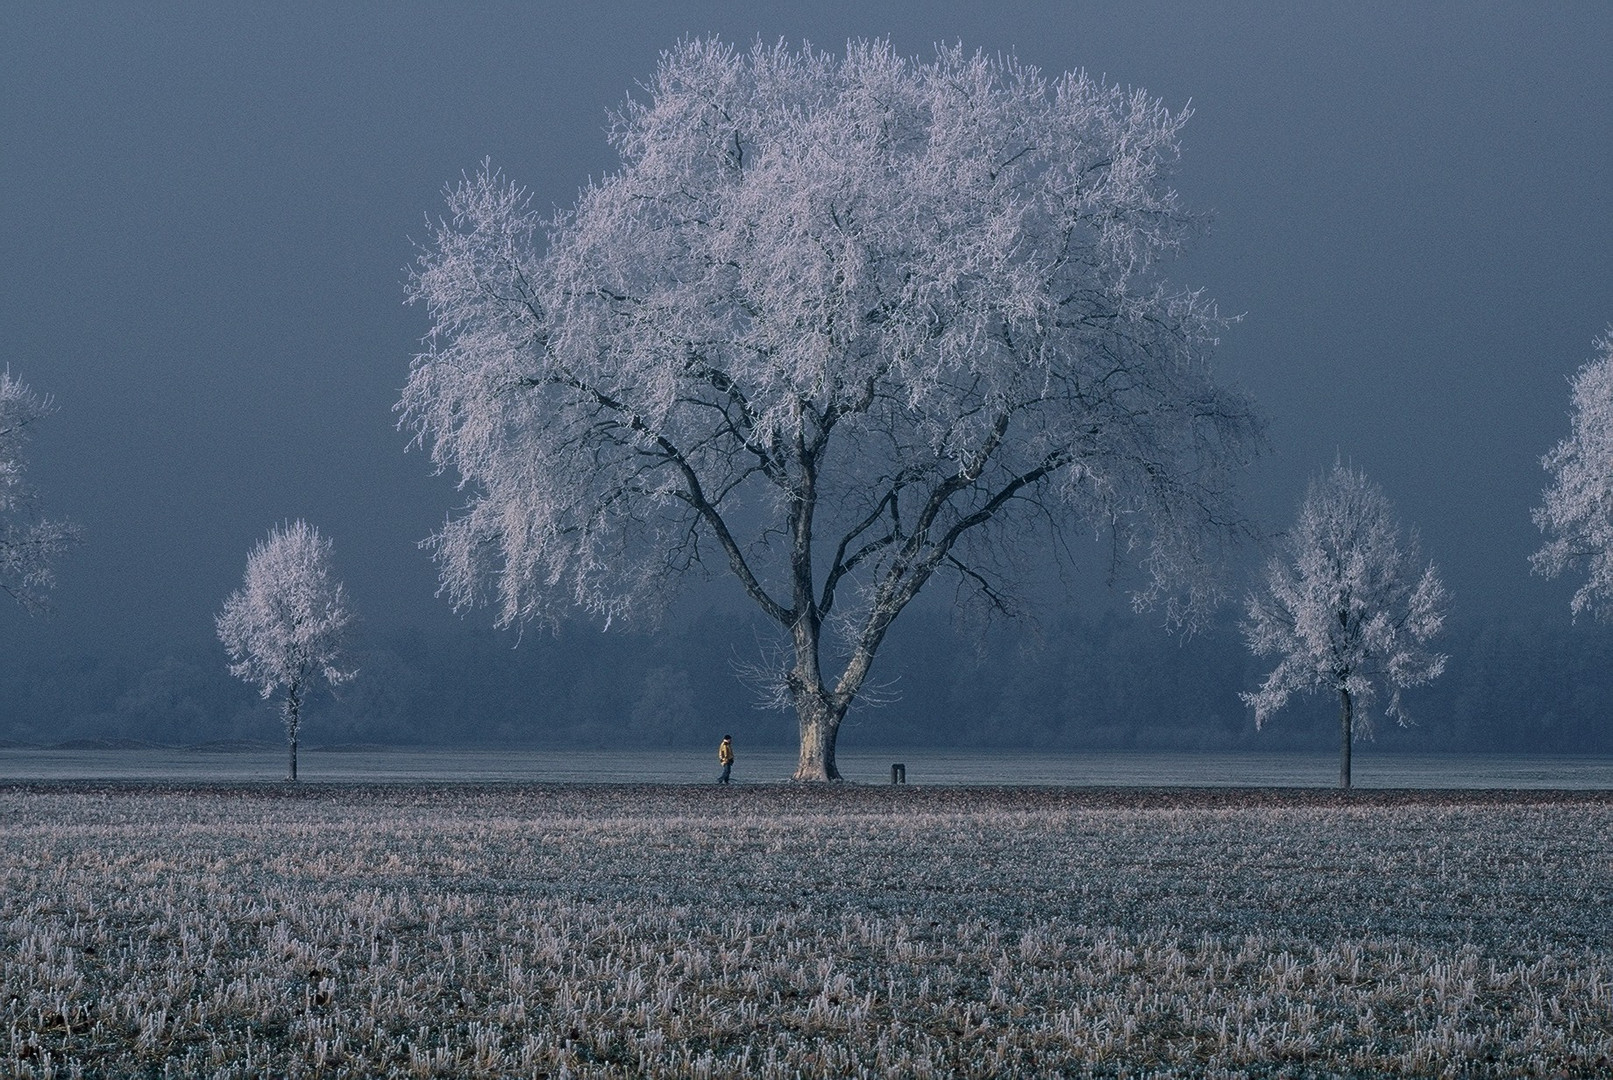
(415, 931)
(1373, 768)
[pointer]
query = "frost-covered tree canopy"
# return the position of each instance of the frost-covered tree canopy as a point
(1346, 605)
(29, 545)
(844, 322)
(1577, 517)
(284, 626)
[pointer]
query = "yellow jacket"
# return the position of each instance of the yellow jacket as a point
(725, 753)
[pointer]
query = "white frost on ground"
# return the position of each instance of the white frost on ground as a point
(779, 931)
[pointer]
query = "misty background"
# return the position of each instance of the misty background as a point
(206, 218)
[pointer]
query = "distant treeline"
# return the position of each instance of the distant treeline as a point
(1113, 681)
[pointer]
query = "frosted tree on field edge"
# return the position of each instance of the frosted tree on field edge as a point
(1577, 516)
(285, 626)
(29, 544)
(842, 325)
(1347, 607)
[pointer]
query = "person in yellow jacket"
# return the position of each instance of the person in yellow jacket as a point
(725, 755)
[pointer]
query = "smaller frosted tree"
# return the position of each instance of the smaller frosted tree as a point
(29, 545)
(284, 627)
(1577, 517)
(1346, 606)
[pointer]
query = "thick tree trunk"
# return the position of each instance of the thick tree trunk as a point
(1345, 716)
(819, 707)
(293, 719)
(814, 709)
(819, 727)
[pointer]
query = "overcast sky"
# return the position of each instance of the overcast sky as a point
(206, 213)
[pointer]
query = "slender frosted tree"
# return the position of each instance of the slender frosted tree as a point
(841, 325)
(29, 544)
(1577, 517)
(285, 626)
(1347, 606)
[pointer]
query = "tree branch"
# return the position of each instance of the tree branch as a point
(694, 496)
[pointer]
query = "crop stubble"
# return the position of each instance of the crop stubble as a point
(781, 931)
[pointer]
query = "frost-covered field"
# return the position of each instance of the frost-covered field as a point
(778, 931)
(973, 767)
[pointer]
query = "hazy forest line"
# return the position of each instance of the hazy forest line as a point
(1114, 681)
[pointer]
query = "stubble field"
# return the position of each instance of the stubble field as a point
(522, 930)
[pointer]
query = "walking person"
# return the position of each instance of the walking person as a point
(725, 755)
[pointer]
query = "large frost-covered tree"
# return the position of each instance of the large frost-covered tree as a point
(842, 324)
(29, 544)
(1577, 517)
(284, 627)
(1347, 606)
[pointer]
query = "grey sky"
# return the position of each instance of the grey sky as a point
(205, 215)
